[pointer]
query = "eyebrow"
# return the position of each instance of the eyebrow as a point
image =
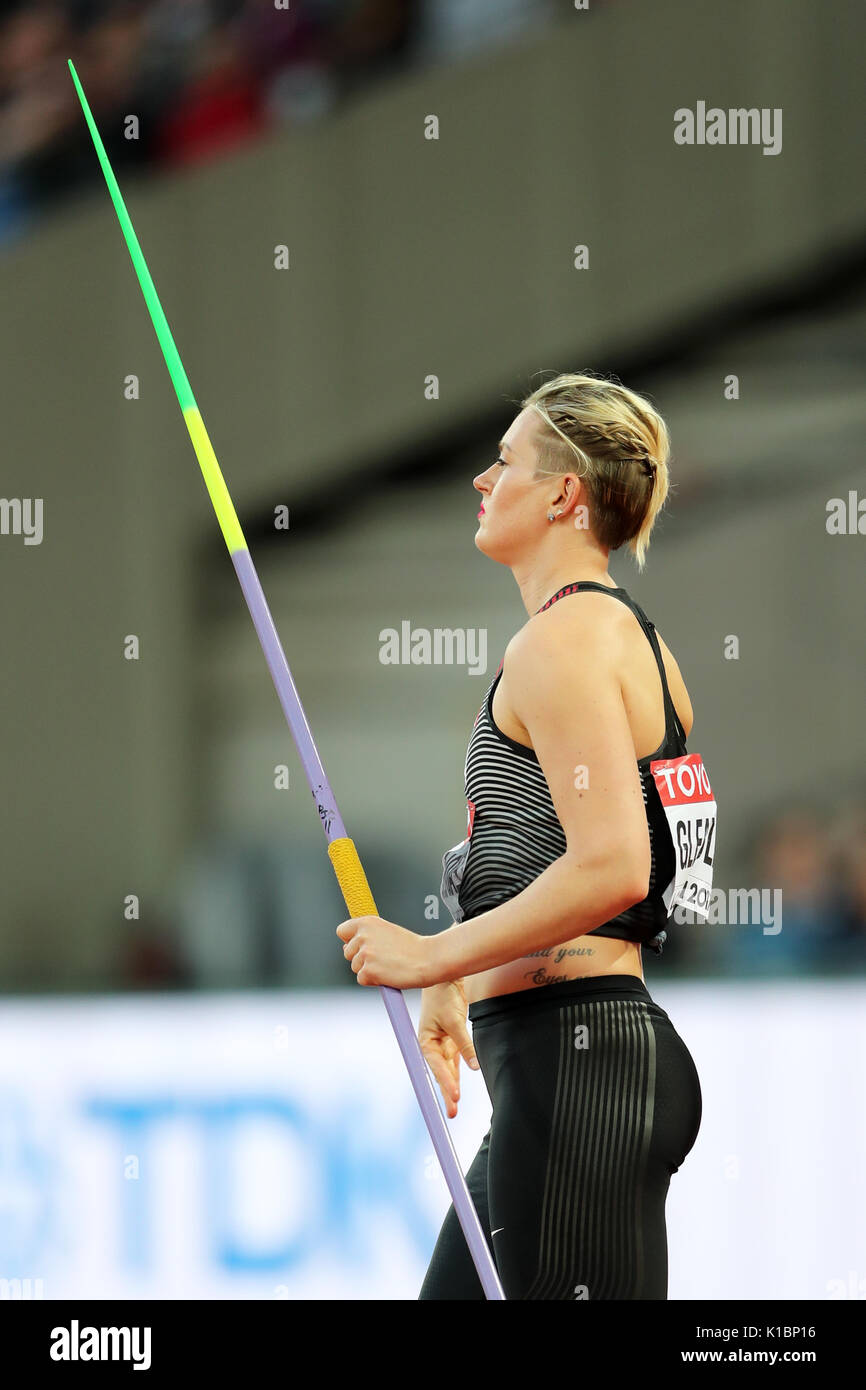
(502, 445)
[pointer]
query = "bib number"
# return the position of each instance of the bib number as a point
(687, 797)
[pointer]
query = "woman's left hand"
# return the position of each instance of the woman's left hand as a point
(381, 953)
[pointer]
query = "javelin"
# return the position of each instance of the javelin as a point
(341, 850)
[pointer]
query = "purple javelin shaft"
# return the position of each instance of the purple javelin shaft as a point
(394, 1002)
(282, 677)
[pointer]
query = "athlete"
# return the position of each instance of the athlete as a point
(587, 821)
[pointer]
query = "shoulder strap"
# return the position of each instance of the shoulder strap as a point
(672, 719)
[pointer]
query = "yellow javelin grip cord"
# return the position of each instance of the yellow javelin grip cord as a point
(351, 878)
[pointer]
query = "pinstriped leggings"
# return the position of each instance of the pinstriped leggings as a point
(596, 1102)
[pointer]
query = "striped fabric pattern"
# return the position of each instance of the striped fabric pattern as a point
(516, 833)
(601, 1130)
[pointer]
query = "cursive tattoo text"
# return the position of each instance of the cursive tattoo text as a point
(541, 977)
(561, 952)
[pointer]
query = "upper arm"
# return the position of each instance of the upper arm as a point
(563, 685)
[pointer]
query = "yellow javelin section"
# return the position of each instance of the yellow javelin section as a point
(351, 878)
(214, 481)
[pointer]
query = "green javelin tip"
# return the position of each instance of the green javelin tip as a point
(160, 323)
(214, 481)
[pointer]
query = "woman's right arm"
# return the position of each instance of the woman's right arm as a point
(444, 1038)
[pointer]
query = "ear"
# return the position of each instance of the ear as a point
(570, 494)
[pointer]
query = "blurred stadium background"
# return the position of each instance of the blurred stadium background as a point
(196, 1099)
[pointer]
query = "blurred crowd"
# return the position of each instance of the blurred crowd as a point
(809, 866)
(200, 76)
(818, 863)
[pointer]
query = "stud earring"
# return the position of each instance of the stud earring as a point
(550, 516)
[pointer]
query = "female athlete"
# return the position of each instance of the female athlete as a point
(578, 844)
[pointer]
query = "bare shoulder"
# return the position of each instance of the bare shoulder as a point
(586, 641)
(565, 635)
(560, 662)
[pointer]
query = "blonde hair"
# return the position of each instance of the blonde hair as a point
(621, 447)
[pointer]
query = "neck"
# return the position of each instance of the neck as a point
(541, 579)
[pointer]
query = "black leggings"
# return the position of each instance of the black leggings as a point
(596, 1102)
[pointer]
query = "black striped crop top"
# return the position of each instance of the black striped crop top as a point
(514, 832)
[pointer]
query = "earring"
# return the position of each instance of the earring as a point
(550, 516)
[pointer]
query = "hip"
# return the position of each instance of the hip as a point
(525, 1040)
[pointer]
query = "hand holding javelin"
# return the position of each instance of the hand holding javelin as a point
(383, 953)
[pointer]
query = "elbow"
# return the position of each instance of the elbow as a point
(620, 881)
(631, 872)
(624, 882)
(634, 876)
(632, 889)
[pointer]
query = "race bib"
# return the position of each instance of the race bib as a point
(687, 797)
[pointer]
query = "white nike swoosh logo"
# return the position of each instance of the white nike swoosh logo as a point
(498, 1229)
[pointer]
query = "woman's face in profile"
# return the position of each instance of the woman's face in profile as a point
(513, 510)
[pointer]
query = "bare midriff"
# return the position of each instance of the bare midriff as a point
(584, 955)
(587, 954)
